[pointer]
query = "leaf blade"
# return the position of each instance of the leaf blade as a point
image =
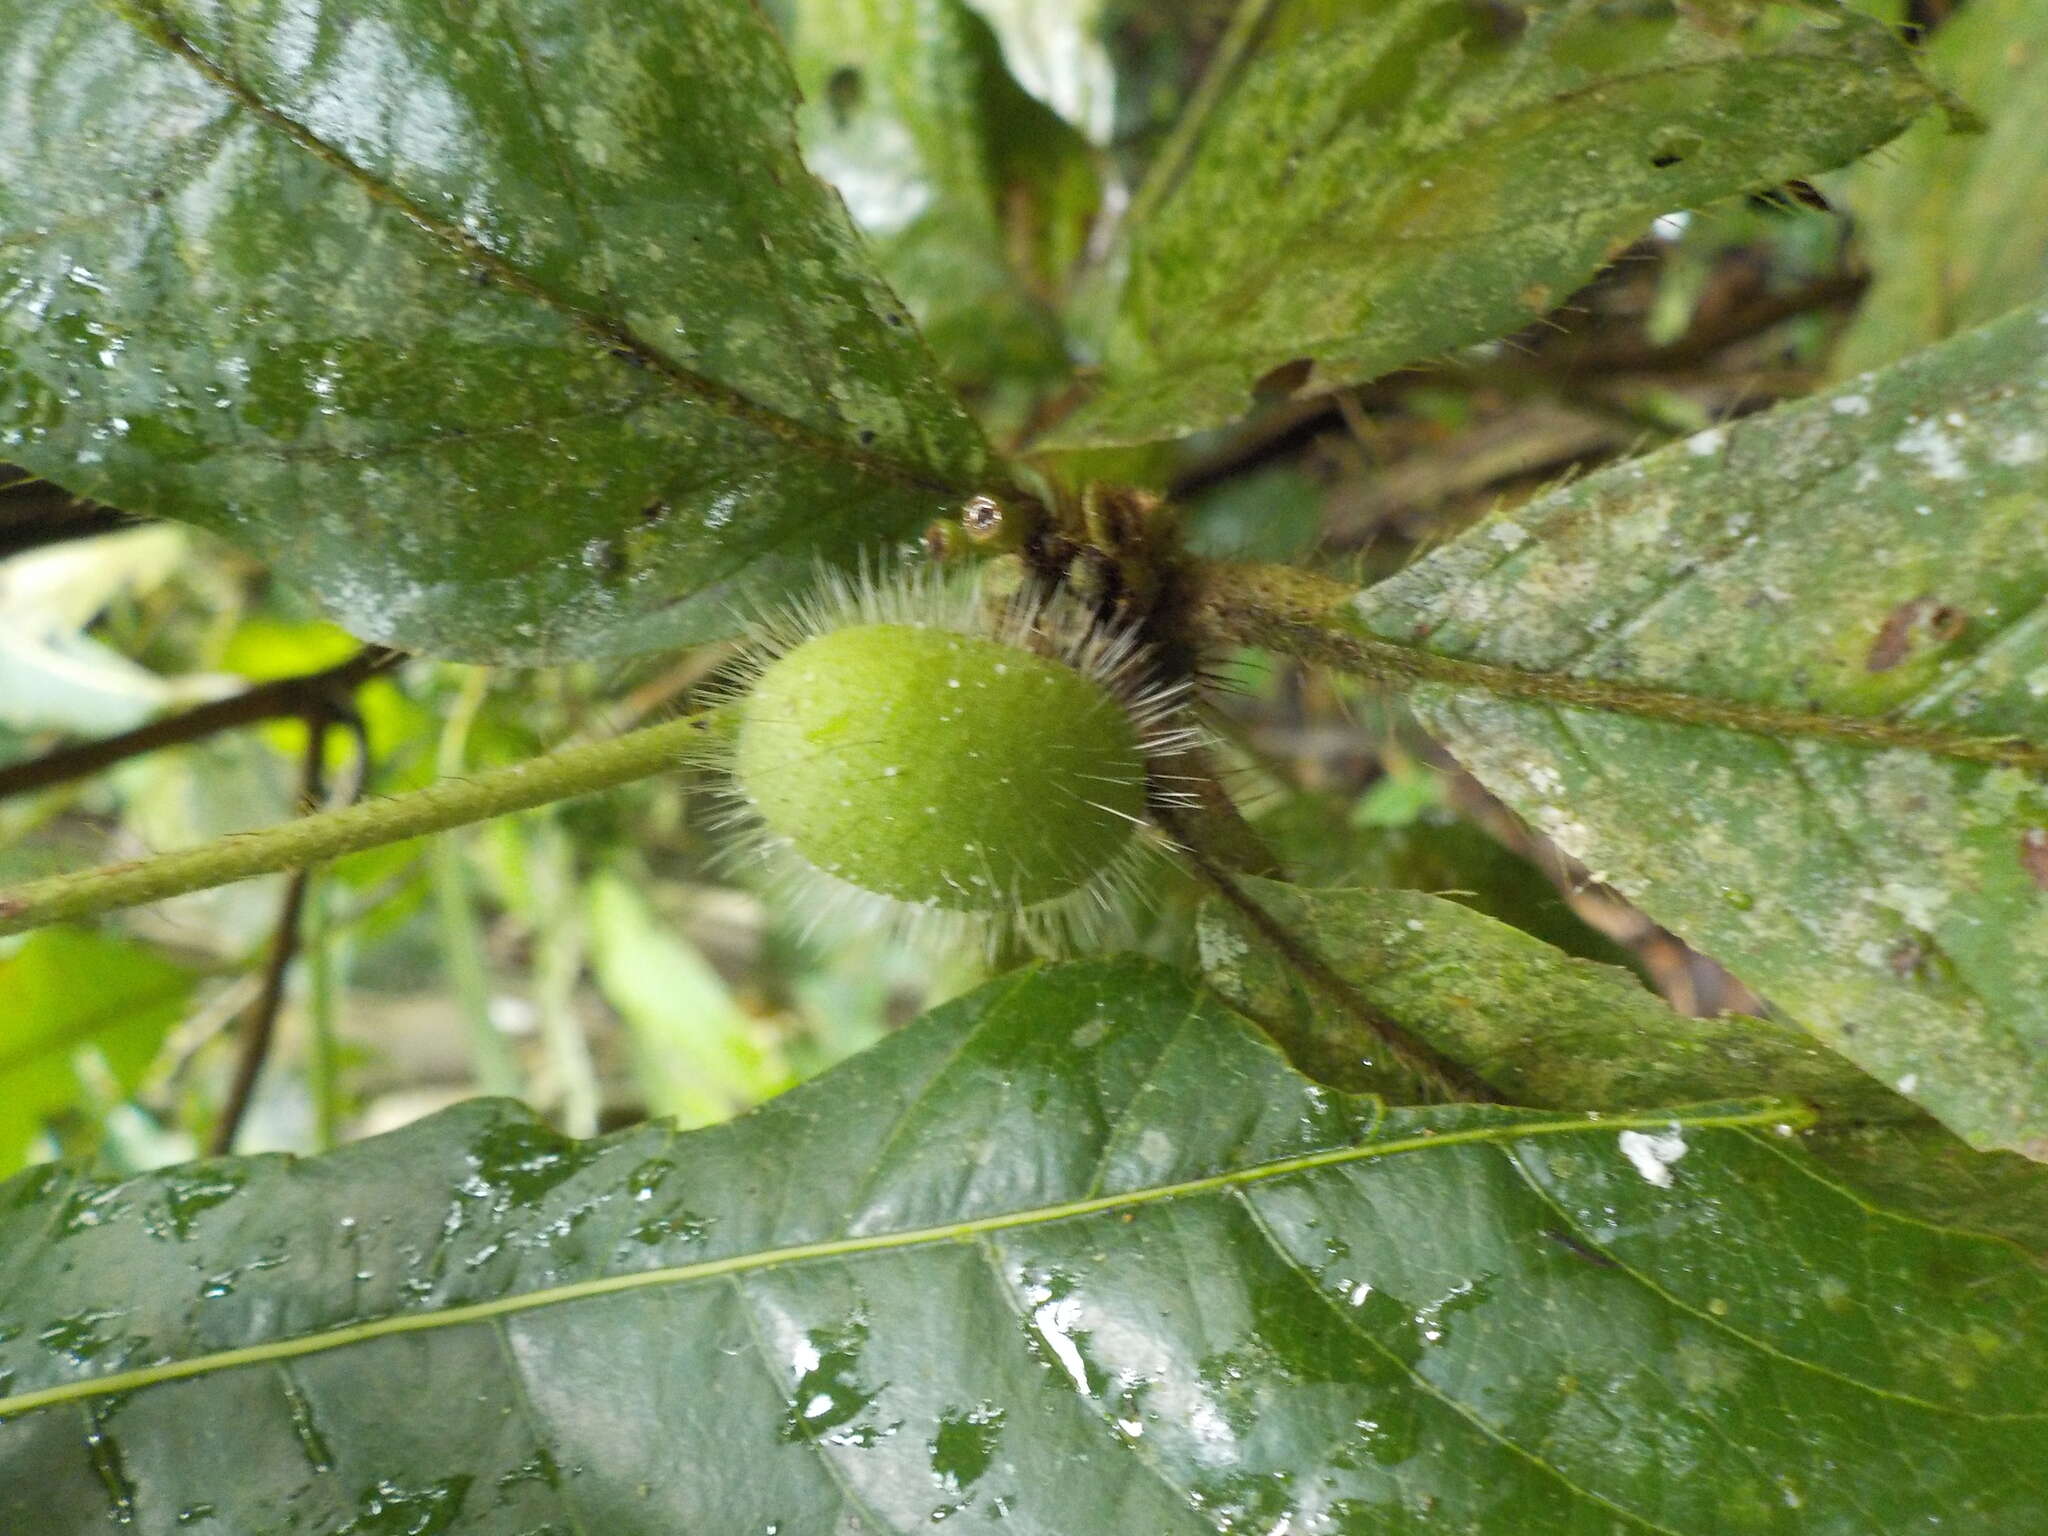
(1437, 183)
(1168, 1337)
(1869, 555)
(349, 286)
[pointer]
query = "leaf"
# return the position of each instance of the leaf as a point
(1376, 183)
(1880, 554)
(1956, 224)
(1078, 1254)
(64, 992)
(978, 197)
(1548, 1029)
(697, 1055)
(509, 331)
(1057, 51)
(1320, 842)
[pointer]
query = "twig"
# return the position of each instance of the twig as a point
(259, 1024)
(312, 694)
(1442, 1076)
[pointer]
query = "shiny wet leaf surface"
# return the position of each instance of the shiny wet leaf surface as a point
(509, 331)
(1076, 1253)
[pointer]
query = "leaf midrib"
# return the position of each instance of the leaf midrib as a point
(608, 332)
(870, 1243)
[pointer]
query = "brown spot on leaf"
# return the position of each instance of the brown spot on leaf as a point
(1535, 298)
(1906, 960)
(1904, 624)
(2034, 856)
(1280, 383)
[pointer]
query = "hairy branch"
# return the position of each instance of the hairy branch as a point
(312, 839)
(1304, 615)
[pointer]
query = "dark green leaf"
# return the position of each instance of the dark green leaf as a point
(1956, 224)
(1546, 1029)
(511, 331)
(63, 992)
(1078, 1255)
(1375, 183)
(1881, 553)
(978, 197)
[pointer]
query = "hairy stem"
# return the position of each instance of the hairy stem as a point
(1304, 615)
(312, 839)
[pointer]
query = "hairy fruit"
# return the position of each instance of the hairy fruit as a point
(940, 768)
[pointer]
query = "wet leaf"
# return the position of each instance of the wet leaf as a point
(1956, 224)
(977, 197)
(1374, 184)
(1880, 553)
(1077, 1254)
(508, 332)
(63, 992)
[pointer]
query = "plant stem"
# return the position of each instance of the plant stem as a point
(1308, 616)
(1441, 1076)
(259, 1025)
(324, 977)
(462, 941)
(311, 839)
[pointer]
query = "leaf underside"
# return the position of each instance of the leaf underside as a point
(1078, 1253)
(1881, 552)
(507, 330)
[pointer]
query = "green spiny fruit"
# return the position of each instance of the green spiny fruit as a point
(941, 768)
(920, 754)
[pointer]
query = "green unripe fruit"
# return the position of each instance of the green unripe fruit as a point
(940, 768)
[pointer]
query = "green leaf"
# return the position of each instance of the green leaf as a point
(66, 991)
(1880, 554)
(698, 1056)
(1375, 183)
(1547, 1029)
(1078, 1254)
(1320, 842)
(1956, 224)
(977, 197)
(509, 331)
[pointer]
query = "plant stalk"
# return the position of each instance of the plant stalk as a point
(1304, 615)
(311, 839)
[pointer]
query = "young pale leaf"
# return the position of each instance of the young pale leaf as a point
(1547, 1029)
(1956, 224)
(1077, 1255)
(510, 332)
(1375, 183)
(1881, 554)
(67, 993)
(977, 196)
